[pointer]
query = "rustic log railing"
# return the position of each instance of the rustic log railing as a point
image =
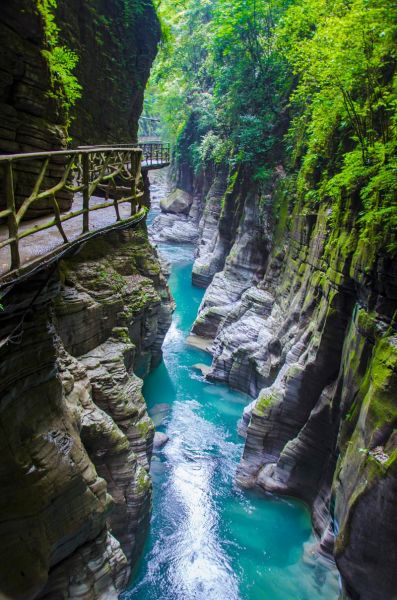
(47, 183)
(155, 154)
(114, 173)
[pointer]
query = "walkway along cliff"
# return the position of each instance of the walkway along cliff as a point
(80, 318)
(296, 247)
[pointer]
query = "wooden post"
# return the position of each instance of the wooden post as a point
(86, 191)
(58, 221)
(133, 182)
(115, 202)
(12, 221)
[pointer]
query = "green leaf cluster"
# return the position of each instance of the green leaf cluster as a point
(61, 60)
(310, 84)
(343, 136)
(219, 63)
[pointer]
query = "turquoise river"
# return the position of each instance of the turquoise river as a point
(209, 540)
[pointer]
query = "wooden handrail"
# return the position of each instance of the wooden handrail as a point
(77, 151)
(155, 153)
(100, 169)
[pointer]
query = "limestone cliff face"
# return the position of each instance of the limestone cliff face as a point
(76, 438)
(115, 50)
(75, 435)
(116, 42)
(30, 119)
(302, 317)
(115, 46)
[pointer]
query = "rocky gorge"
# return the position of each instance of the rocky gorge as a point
(77, 336)
(278, 221)
(75, 431)
(301, 318)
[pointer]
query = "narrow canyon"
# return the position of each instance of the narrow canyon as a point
(198, 394)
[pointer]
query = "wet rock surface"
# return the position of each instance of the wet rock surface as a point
(177, 202)
(299, 324)
(176, 211)
(76, 435)
(212, 248)
(160, 439)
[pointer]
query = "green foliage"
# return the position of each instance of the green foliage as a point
(306, 83)
(61, 61)
(343, 137)
(264, 402)
(219, 65)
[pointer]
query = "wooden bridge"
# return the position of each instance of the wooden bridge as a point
(55, 201)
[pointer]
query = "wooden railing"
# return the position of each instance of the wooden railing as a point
(109, 172)
(155, 154)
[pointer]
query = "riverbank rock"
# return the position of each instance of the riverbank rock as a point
(160, 440)
(305, 325)
(174, 229)
(213, 247)
(199, 342)
(76, 434)
(243, 267)
(202, 368)
(177, 202)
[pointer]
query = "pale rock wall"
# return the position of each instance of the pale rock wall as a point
(306, 325)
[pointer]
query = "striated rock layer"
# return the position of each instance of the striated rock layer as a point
(115, 46)
(76, 439)
(115, 52)
(302, 317)
(182, 208)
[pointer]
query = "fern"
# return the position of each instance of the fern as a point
(61, 61)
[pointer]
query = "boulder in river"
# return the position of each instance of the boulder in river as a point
(204, 369)
(178, 202)
(160, 439)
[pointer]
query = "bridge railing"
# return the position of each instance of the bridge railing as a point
(113, 173)
(155, 153)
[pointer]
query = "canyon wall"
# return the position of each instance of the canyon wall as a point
(300, 314)
(115, 50)
(76, 438)
(75, 435)
(114, 43)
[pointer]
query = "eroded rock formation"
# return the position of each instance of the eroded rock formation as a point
(76, 438)
(302, 317)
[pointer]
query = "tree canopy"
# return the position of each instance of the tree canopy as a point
(308, 83)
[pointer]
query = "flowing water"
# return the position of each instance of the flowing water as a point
(209, 540)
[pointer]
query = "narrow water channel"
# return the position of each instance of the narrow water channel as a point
(209, 540)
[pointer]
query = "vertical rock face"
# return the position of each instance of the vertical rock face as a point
(115, 47)
(75, 435)
(302, 317)
(30, 118)
(76, 438)
(213, 248)
(239, 228)
(116, 42)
